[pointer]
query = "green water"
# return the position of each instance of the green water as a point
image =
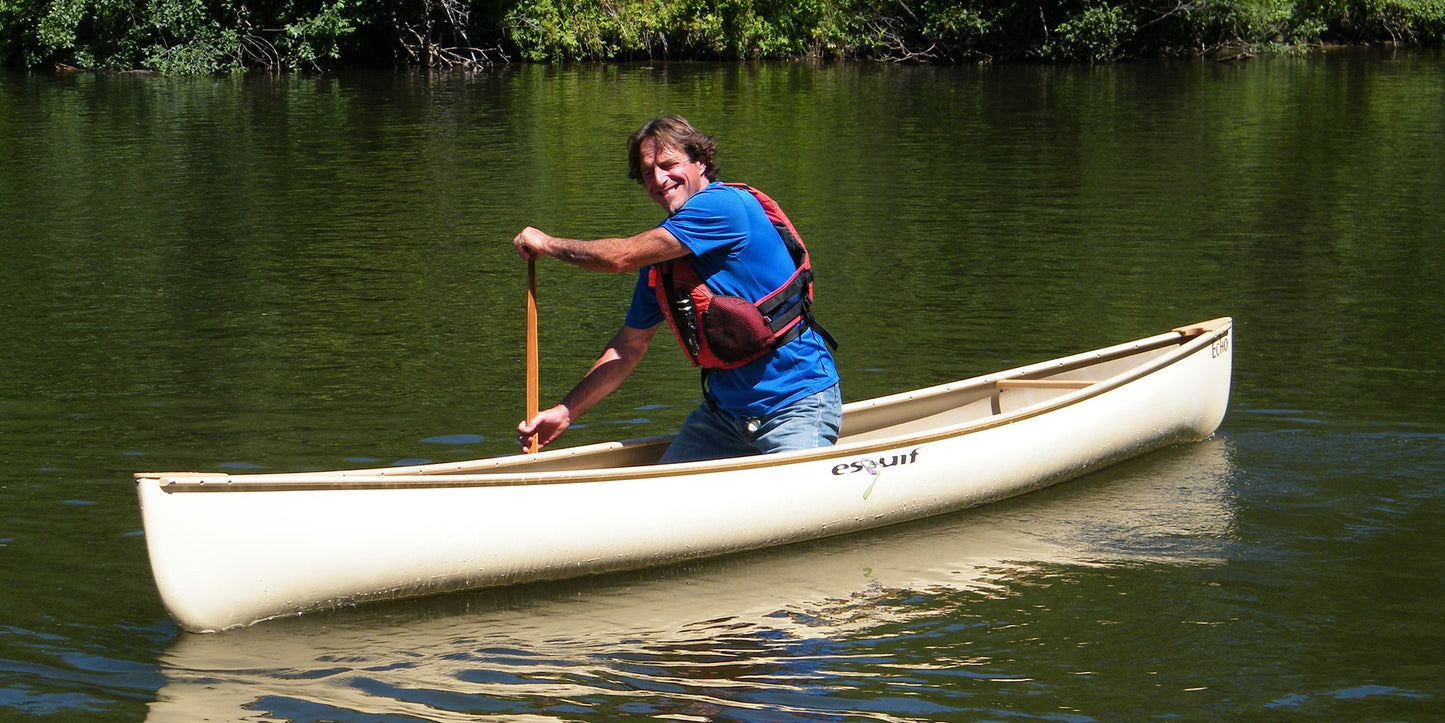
(311, 273)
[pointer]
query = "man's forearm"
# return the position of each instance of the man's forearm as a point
(614, 255)
(612, 368)
(608, 254)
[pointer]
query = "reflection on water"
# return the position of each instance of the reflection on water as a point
(717, 637)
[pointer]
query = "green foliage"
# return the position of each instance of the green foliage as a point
(565, 29)
(1293, 23)
(1402, 21)
(186, 40)
(1260, 21)
(58, 25)
(311, 39)
(212, 36)
(961, 24)
(1098, 33)
(548, 30)
(72, 31)
(186, 37)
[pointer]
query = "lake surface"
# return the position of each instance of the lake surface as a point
(310, 273)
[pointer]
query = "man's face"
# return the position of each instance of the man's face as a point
(669, 176)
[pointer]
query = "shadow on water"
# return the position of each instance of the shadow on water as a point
(724, 636)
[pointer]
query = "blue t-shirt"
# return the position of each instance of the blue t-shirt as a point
(737, 252)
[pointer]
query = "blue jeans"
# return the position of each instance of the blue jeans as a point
(712, 433)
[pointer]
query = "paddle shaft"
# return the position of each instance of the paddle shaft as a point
(532, 371)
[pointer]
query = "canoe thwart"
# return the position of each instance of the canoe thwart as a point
(1044, 383)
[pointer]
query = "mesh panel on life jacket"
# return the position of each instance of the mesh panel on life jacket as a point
(735, 328)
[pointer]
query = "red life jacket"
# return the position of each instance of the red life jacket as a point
(717, 331)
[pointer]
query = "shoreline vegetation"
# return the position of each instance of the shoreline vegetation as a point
(201, 37)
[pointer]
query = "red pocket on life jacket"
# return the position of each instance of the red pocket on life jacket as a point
(735, 329)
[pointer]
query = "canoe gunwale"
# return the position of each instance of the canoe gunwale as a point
(512, 470)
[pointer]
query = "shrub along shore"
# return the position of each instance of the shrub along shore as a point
(190, 37)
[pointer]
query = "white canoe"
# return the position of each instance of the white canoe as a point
(230, 550)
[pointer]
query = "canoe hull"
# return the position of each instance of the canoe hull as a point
(241, 551)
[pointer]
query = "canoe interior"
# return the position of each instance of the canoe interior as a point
(978, 402)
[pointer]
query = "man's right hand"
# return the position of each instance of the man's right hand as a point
(548, 425)
(531, 243)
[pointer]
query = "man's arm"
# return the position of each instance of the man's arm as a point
(615, 255)
(613, 367)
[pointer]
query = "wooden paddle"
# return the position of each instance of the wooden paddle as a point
(532, 372)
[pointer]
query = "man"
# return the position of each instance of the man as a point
(784, 399)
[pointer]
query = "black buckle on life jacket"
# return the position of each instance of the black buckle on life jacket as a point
(683, 312)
